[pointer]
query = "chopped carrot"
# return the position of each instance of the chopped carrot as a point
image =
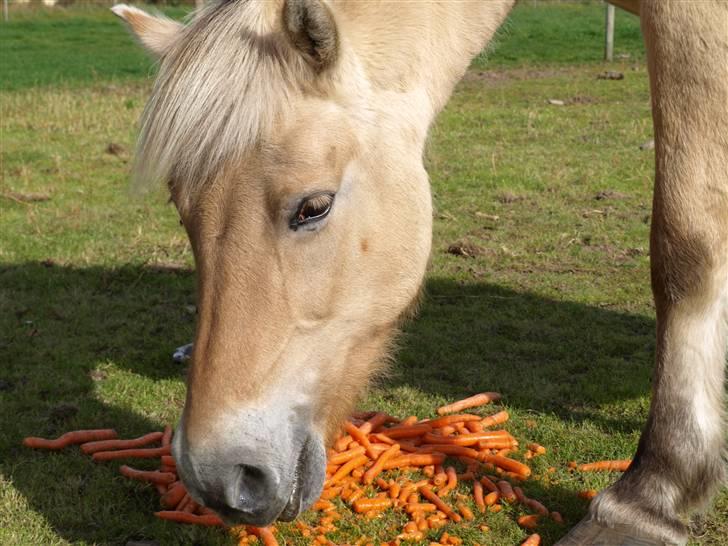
(415, 459)
(478, 495)
(471, 402)
(360, 437)
(506, 491)
(374, 422)
(528, 522)
(265, 534)
(106, 445)
(489, 484)
(174, 495)
(537, 449)
(506, 464)
(152, 476)
(367, 505)
(620, 466)
(70, 438)
(450, 449)
(465, 511)
(532, 540)
(426, 492)
(495, 419)
(130, 453)
(344, 456)
(406, 431)
(346, 469)
(167, 436)
(492, 498)
(587, 494)
(378, 466)
(184, 517)
(451, 419)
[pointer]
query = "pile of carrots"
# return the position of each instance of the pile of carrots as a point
(378, 463)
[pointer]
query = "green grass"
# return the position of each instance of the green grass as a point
(553, 310)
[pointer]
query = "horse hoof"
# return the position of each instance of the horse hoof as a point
(182, 354)
(588, 532)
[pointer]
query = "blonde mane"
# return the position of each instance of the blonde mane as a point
(221, 86)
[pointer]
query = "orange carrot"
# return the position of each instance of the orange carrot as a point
(167, 436)
(378, 466)
(151, 476)
(620, 465)
(471, 402)
(528, 522)
(489, 484)
(537, 449)
(506, 464)
(168, 460)
(537, 507)
(265, 534)
(408, 431)
(470, 438)
(450, 449)
(465, 511)
(587, 494)
(70, 438)
(478, 495)
(360, 437)
(184, 517)
(366, 505)
(341, 458)
(107, 445)
(342, 443)
(451, 419)
(346, 469)
(130, 453)
(506, 491)
(495, 419)
(491, 498)
(532, 540)
(374, 422)
(557, 517)
(415, 459)
(173, 496)
(426, 492)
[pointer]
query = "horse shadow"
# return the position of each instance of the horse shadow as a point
(65, 332)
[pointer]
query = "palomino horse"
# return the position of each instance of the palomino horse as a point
(291, 134)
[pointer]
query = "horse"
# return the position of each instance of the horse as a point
(290, 134)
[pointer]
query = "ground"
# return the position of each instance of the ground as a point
(538, 287)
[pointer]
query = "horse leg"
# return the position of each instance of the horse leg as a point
(679, 464)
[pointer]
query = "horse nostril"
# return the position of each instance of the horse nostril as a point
(254, 487)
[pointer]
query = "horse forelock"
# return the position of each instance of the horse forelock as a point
(222, 86)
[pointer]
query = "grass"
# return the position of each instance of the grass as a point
(553, 308)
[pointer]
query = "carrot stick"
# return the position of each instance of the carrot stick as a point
(506, 491)
(360, 437)
(415, 459)
(184, 517)
(130, 453)
(345, 456)
(532, 540)
(373, 423)
(465, 511)
(167, 436)
(107, 445)
(449, 449)
(495, 419)
(450, 419)
(173, 496)
(471, 402)
(70, 438)
(489, 484)
(168, 460)
(491, 498)
(620, 465)
(537, 507)
(346, 469)
(470, 438)
(409, 431)
(478, 495)
(426, 492)
(265, 534)
(587, 494)
(342, 443)
(528, 522)
(365, 505)
(378, 466)
(506, 464)
(537, 449)
(151, 476)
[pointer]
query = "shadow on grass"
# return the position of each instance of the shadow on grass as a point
(58, 324)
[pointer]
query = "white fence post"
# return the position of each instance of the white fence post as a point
(609, 31)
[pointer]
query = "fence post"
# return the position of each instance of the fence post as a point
(609, 32)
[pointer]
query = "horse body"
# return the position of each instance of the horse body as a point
(291, 136)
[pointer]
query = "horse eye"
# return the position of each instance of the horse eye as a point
(312, 209)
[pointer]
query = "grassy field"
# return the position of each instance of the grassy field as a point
(551, 306)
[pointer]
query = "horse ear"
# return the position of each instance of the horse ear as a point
(312, 29)
(156, 33)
